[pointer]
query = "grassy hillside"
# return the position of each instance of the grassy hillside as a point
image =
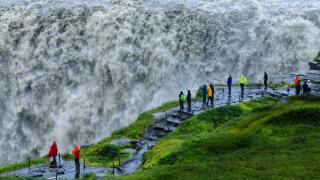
(259, 139)
(262, 139)
(104, 154)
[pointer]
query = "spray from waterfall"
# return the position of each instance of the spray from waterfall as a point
(77, 70)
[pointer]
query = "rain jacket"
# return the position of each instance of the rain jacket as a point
(265, 77)
(210, 91)
(229, 82)
(76, 152)
(243, 80)
(189, 97)
(182, 98)
(53, 151)
(296, 81)
(204, 90)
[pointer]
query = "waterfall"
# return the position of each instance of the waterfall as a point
(77, 70)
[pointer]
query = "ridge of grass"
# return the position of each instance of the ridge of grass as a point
(13, 167)
(258, 139)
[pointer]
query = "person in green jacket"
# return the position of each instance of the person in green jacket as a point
(181, 100)
(243, 81)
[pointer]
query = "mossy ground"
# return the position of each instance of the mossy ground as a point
(258, 139)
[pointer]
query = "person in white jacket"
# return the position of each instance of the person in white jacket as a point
(309, 86)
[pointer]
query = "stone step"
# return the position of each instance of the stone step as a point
(164, 127)
(173, 121)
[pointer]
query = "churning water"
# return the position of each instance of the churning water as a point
(76, 70)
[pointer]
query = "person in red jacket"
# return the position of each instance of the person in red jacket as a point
(76, 153)
(297, 85)
(53, 151)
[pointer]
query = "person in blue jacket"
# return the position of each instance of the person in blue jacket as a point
(229, 82)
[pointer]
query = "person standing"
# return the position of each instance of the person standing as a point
(76, 153)
(297, 85)
(243, 81)
(204, 94)
(210, 95)
(53, 151)
(309, 86)
(181, 100)
(305, 88)
(229, 82)
(265, 82)
(299, 88)
(189, 100)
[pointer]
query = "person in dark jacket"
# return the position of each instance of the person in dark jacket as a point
(204, 94)
(265, 78)
(305, 88)
(189, 100)
(298, 88)
(229, 82)
(181, 100)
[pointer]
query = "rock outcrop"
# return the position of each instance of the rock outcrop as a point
(314, 75)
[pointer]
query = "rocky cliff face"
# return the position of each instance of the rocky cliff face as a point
(314, 76)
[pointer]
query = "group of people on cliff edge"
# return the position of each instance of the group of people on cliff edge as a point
(305, 89)
(208, 92)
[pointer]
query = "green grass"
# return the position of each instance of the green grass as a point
(259, 139)
(133, 131)
(136, 129)
(23, 164)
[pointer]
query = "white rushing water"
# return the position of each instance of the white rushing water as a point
(76, 70)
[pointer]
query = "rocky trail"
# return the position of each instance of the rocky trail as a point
(165, 123)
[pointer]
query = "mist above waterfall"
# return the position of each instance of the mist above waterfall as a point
(77, 70)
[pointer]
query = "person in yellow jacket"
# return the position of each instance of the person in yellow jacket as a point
(210, 93)
(243, 81)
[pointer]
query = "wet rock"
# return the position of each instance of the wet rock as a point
(176, 115)
(314, 76)
(120, 142)
(139, 146)
(314, 65)
(36, 175)
(60, 171)
(175, 122)
(164, 127)
(160, 115)
(85, 146)
(153, 138)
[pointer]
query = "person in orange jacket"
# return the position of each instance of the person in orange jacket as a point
(53, 151)
(76, 153)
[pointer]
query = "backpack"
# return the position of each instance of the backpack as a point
(182, 98)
